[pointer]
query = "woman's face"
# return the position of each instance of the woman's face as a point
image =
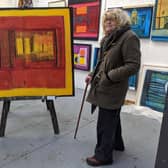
(109, 26)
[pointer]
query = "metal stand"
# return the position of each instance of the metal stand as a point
(162, 153)
(5, 111)
(51, 108)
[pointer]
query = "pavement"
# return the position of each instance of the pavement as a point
(30, 141)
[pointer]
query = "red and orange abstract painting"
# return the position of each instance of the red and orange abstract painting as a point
(86, 18)
(35, 52)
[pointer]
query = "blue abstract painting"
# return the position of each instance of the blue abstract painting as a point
(141, 20)
(154, 90)
(132, 82)
(95, 57)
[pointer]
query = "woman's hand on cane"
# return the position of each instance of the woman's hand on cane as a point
(88, 79)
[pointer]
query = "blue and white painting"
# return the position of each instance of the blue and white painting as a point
(95, 57)
(154, 90)
(132, 82)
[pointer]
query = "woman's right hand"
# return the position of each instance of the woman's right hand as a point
(88, 79)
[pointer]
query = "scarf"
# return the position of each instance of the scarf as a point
(113, 37)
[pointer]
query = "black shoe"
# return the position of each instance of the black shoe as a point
(119, 148)
(92, 161)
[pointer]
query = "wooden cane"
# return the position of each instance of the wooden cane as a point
(83, 100)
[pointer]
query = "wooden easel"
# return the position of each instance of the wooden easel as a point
(5, 111)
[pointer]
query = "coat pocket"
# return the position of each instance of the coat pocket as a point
(110, 87)
(104, 81)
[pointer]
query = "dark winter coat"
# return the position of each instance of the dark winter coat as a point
(119, 58)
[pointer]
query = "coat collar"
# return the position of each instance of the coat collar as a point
(111, 39)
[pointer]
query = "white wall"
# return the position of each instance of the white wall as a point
(153, 52)
(123, 3)
(7, 3)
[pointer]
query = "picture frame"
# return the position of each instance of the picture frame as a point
(160, 21)
(58, 3)
(37, 58)
(132, 82)
(153, 87)
(86, 18)
(82, 56)
(25, 4)
(141, 19)
(95, 57)
(70, 2)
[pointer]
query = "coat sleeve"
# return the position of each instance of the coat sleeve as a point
(131, 60)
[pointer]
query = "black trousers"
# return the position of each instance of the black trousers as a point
(109, 133)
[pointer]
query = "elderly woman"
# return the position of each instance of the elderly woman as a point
(119, 58)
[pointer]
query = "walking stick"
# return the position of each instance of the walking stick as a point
(83, 99)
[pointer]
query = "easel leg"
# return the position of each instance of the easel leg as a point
(5, 110)
(51, 108)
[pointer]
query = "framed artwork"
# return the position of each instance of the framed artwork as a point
(154, 87)
(132, 82)
(86, 20)
(141, 19)
(160, 22)
(58, 3)
(36, 59)
(95, 57)
(82, 55)
(25, 4)
(80, 1)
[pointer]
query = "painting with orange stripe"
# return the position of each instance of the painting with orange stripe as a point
(82, 56)
(86, 16)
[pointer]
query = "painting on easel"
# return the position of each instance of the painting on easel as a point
(33, 58)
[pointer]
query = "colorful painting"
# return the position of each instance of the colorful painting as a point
(82, 54)
(160, 23)
(25, 4)
(33, 58)
(86, 20)
(132, 82)
(141, 19)
(95, 57)
(155, 89)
